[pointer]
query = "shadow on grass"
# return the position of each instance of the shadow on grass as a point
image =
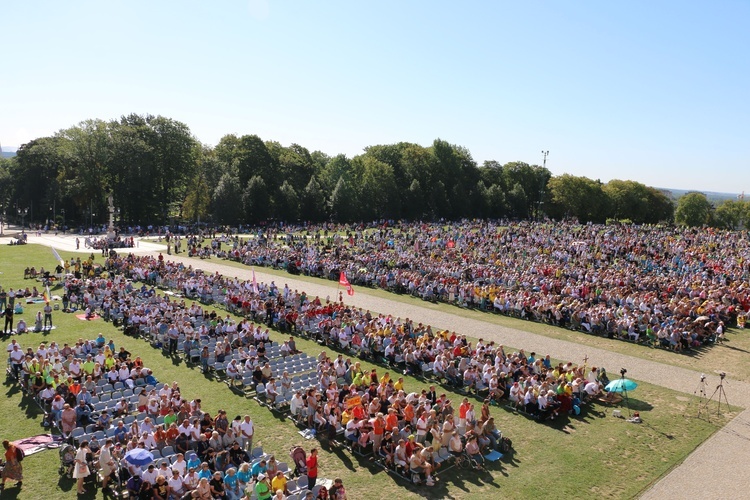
(734, 348)
(27, 403)
(341, 453)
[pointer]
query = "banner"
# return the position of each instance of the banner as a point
(353, 401)
(345, 283)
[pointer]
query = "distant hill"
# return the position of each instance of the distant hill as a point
(712, 196)
(8, 151)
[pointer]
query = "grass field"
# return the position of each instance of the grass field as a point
(594, 457)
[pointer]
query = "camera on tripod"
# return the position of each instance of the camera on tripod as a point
(703, 377)
(722, 375)
(623, 371)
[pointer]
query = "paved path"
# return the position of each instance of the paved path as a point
(712, 471)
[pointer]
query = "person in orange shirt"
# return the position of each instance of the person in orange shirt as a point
(75, 387)
(462, 409)
(378, 427)
(409, 414)
(391, 421)
(160, 436)
(172, 434)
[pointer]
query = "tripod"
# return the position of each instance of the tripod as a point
(720, 394)
(700, 391)
(625, 393)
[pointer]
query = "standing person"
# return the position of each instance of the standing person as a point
(247, 429)
(174, 334)
(8, 313)
(312, 468)
(47, 315)
(106, 462)
(81, 470)
(13, 468)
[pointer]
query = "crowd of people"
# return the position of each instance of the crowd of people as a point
(666, 286)
(372, 411)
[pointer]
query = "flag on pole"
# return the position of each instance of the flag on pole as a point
(255, 284)
(345, 283)
(47, 295)
(57, 256)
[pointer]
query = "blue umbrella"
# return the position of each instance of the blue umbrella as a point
(621, 385)
(139, 457)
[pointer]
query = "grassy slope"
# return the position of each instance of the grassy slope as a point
(597, 456)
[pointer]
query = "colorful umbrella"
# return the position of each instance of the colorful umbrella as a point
(621, 385)
(139, 457)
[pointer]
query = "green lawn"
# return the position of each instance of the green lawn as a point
(596, 456)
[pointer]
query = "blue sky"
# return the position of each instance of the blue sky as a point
(657, 92)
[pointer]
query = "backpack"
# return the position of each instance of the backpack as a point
(505, 445)
(20, 455)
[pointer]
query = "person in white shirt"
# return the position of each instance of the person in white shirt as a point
(151, 474)
(271, 391)
(180, 464)
(296, 404)
(12, 344)
(176, 483)
(233, 371)
(148, 440)
(190, 480)
(247, 429)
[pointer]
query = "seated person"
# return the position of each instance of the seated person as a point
(104, 421)
(21, 327)
(237, 455)
(472, 449)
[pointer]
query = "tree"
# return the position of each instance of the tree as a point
(693, 209)
(518, 202)
(256, 200)
(732, 214)
(253, 158)
(336, 167)
(532, 180)
(495, 201)
(343, 202)
(378, 188)
(197, 200)
(226, 194)
(579, 197)
(296, 166)
(287, 203)
(313, 203)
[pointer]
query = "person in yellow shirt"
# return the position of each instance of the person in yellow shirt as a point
(399, 384)
(346, 416)
(385, 378)
(279, 483)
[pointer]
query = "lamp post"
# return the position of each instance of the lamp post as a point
(541, 185)
(23, 212)
(62, 211)
(2, 219)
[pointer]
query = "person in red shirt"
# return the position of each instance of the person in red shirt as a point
(312, 468)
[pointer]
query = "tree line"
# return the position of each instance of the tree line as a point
(160, 173)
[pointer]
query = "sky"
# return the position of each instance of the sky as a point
(657, 92)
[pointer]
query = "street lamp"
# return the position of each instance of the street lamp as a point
(2, 219)
(62, 211)
(23, 212)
